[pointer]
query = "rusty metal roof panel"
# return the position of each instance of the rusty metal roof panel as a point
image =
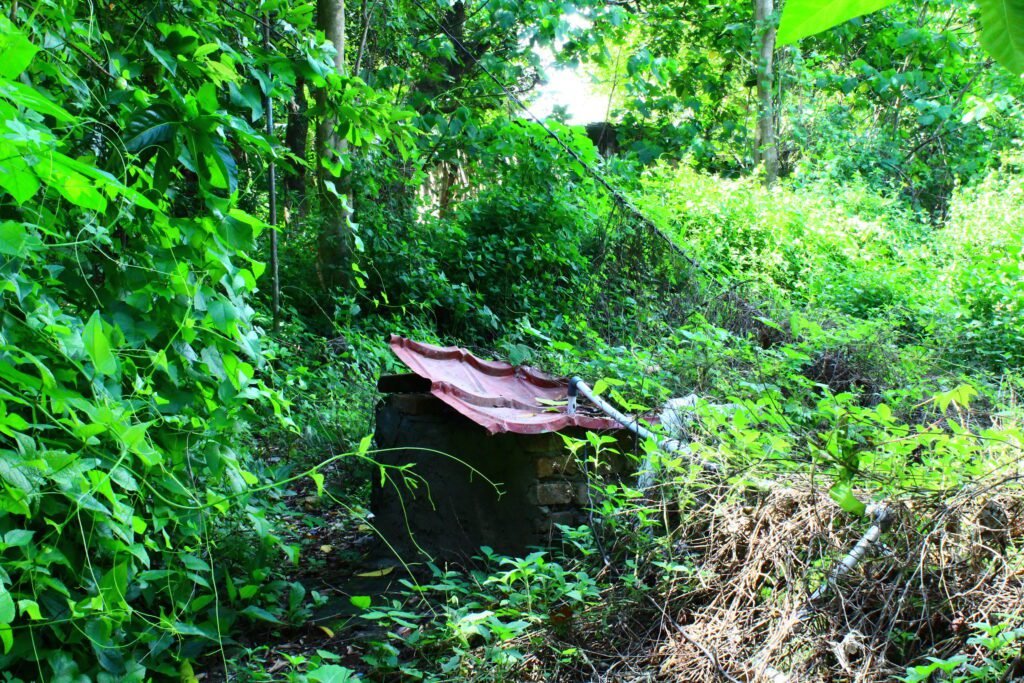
(497, 396)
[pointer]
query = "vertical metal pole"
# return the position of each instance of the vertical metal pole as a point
(268, 105)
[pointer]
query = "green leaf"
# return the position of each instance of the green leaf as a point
(802, 18)
(15, 175)
(331, 673)
(218, 163)
(961, 396)
(18, 537)
(16, 49)
(75, 187)
(97, 345)
(6, 606)
(114, 585)
(842, 494)
(13, 237)
(13, 475)
(259, 613)
(360, 601)
(31, 608)
(103, 180)
(30, 98)
(134, 435)
(207, 97)
(186, 674)
(1002, 32)
(153, 127)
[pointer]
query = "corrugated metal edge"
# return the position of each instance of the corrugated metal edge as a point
(407, 351)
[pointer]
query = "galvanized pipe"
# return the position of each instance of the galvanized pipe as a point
(881, 517)
(577, 385)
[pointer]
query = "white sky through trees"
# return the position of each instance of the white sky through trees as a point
(574, 90)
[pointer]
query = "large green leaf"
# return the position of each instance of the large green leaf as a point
(97, 345)
(12, 473)
(1002, 32)
(217, 162)
(30, 98)
(16, 49)
(13, 238)
(6, 617)
(802, 18)
(153, 127)
(73, 186)
(842, 494)
(6, 606)
(16, 178)
(331, 673)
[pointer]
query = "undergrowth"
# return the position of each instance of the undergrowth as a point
(829, 368)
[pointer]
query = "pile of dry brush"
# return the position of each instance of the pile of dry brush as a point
(943, 566)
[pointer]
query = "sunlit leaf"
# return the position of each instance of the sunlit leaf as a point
(1002, 32)
(802, 18)
(13, 238)
(331, 673)
(16, 49)
(6, 606)
(842, 494)
(30, 98)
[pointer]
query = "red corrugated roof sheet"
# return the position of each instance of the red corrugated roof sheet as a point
(497, 396)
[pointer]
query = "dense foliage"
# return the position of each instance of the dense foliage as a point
(179, 395)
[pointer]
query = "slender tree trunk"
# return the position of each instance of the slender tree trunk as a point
(275, 278)
(768, 151)
(333, 252)
(296, 135)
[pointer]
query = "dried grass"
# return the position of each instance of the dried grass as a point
(941, 567)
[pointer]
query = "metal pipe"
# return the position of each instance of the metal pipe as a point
(576, 384)
(881, 516)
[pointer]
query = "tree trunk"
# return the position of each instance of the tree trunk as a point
(296, 135)
(275, 275)
(768, 151)
(333, 248)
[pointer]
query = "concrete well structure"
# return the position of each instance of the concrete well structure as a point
(474, 455)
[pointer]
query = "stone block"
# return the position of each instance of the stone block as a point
(553, 492)
(549, 466)
(581, 493)
(566, 517)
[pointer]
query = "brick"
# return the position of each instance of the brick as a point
(581, 493)
(553, 492)
(567, 517)
(546, 523)
(548, 466)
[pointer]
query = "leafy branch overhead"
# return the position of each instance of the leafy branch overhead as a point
(1001, 24)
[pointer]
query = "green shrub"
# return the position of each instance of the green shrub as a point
(979, 273)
